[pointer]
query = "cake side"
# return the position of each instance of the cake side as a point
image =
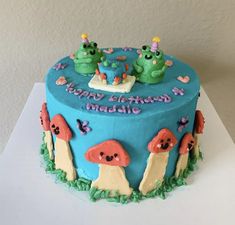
(155, 124)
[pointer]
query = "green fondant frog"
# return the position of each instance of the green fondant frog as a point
(150, 66)
(87, 57)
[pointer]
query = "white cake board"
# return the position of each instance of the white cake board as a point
(28, 196)
(96, 83)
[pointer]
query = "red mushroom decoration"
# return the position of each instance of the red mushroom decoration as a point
(111, 157)
(198, 129)
(186, 145)
(45, 122)
(159, 148)
(63, 155)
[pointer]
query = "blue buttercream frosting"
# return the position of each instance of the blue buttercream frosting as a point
(148, 113)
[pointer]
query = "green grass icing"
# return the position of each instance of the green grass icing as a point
(82, 184)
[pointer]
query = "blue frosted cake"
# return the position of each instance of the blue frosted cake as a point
(121, 123)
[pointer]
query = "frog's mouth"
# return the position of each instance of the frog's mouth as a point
(92, 52)
(148, 57)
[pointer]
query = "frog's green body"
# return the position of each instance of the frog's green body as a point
(150, 66)
(86, 58)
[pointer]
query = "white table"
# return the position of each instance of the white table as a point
(29, 196)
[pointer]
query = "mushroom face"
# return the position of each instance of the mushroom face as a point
(60, 128)
(109, 152)
(164, 141)
(44, 117)
(199, 122)
(187, 143)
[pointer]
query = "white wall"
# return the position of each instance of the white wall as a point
(34, 34)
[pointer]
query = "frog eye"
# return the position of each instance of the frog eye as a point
(157, 53)
(144, 47)
(84, 45)
(95, 44)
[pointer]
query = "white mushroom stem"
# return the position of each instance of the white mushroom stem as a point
(181, 164)
(112, 178)
(64, 159)
(196, 149)
(154, 172)
(49, 143)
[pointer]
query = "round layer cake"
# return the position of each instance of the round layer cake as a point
(133, 119)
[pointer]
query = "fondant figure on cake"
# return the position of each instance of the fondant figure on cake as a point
(159, 148)
(150, 66)
(87, 57)
(111, 76)
(198, 129)
(186, 145)
(111, 157)
(112, 72)
(63, 155)
(45, 122)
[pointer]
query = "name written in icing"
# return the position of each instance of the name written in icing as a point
(112, 109)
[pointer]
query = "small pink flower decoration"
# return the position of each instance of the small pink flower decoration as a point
(61, 81)
(169, 63)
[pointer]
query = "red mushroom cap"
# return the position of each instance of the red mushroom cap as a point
(108, 152)
(187, 143)
(199, 122)
(44, 117)
(60, 128)
(164, 141)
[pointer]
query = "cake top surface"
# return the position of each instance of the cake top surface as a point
(179, 85)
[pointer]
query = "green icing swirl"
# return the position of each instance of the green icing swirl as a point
(83, 184)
